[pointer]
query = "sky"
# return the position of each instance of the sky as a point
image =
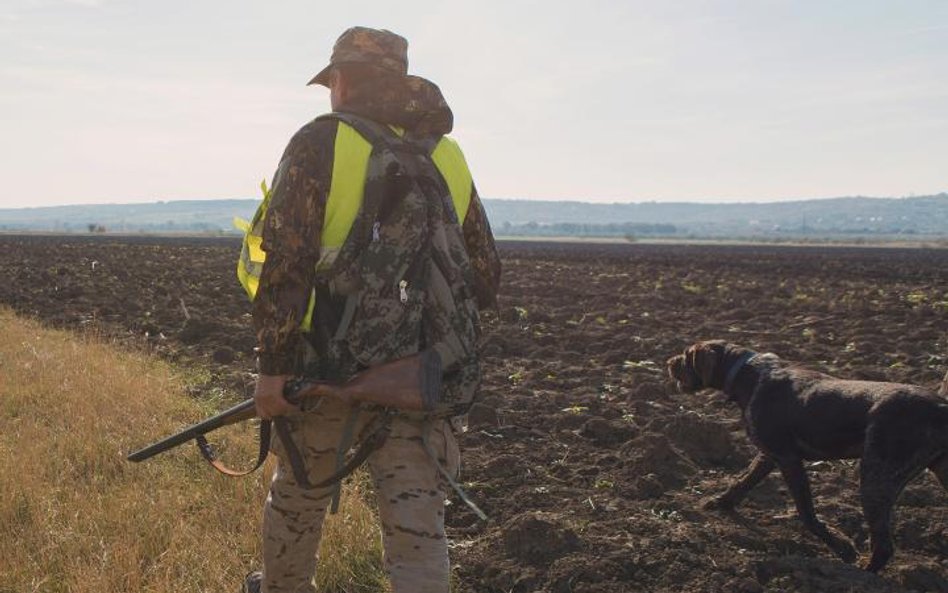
(120, 101)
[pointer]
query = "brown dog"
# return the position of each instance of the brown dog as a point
(792, 415)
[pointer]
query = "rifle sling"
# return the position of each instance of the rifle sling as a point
(373, 441)
(348, 430)
(293, 453)
(207, 452)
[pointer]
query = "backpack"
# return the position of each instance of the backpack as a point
(403, 272)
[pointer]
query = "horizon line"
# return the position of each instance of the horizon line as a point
(709, 202)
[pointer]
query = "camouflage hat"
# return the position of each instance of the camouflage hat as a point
(363, 45)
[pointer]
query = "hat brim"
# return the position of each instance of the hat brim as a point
(321, 78)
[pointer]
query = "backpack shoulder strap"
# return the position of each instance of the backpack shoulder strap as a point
(381, 135)
(377, 134)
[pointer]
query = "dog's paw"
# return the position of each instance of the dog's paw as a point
(846, 552)
(876, 561)
(867, 565)
(717, 503)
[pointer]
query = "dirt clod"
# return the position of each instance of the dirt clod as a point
(538, 538)
(606, 433)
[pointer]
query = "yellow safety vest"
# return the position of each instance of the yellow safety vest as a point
(350, 165)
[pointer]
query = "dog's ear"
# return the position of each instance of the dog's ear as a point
(704, 361)
(694, 360)
(944, 386)
(674, 367)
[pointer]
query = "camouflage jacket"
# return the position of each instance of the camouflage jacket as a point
(294, 220)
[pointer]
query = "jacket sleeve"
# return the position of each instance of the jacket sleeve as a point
(482, 252)
(291, 236)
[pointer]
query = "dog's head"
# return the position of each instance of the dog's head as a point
(698, 367)
(944, 386)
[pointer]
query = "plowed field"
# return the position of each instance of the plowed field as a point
(589, 464)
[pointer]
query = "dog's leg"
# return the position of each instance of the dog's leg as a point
(879, 487)
(881, 481)
(799, 486)
(759, 469)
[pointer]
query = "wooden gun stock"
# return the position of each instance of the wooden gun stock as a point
(412, 383)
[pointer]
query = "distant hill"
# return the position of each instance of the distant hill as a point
(180, 215)
(850, 217)
(853, 216)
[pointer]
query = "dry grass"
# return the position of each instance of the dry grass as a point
(76, 517)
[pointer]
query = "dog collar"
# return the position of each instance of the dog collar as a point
(736, 368)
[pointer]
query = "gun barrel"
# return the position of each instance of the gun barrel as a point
(242, 411)
(410, 383)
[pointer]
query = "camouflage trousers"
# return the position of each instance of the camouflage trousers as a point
(410, 495)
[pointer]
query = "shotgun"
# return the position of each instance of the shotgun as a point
(412, 383)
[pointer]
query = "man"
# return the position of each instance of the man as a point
(367, 76)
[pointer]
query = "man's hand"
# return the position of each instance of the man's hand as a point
(268, 396)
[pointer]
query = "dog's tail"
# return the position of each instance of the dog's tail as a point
(942, 423)
(939, 466)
